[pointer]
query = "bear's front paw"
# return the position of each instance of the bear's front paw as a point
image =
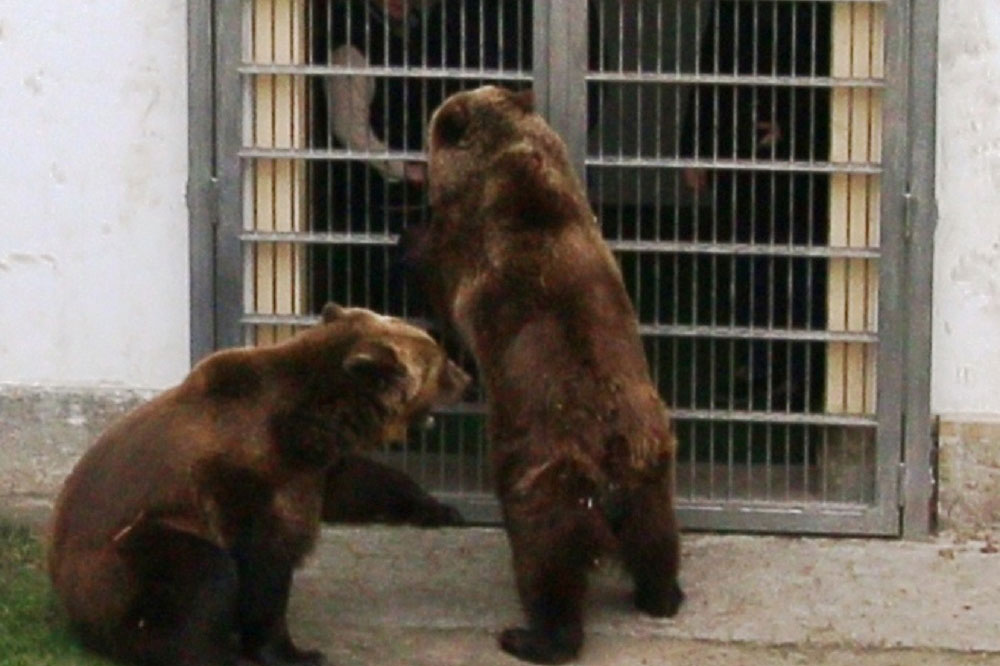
(437, 515)
(537, 647)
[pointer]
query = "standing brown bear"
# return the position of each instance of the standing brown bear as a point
(583, 448)
(175, 536)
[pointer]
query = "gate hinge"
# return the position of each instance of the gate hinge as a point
(202, 196)
(213, 198)
(909, 202)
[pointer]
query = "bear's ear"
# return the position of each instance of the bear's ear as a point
(332, 312)
(524, 100)
(374, 363)
(451, 123)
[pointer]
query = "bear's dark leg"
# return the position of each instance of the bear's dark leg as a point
(361, 490)
(650, 548)
(551, 566)
(265, 579)
(185, 612)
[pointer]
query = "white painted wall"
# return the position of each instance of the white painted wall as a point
(966, 356)
(93, 165)
(93, 224)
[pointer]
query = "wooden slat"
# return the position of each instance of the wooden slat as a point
(858, 51)
(279, 113)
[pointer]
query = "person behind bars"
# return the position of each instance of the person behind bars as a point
(378, 107)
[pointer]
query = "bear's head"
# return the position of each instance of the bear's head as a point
(487, 149)
(398, 365)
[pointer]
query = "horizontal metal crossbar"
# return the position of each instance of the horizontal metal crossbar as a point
(261, 319)
(746, 333)
(647, 330)
(621, 76)
(603, 161)
(697, 513)
(734, 416)
(744, 249)
(784, 418)
(443, 73)
(797, 166)
(620, 246)
(688, 78)
(330, 154)
(319, 238)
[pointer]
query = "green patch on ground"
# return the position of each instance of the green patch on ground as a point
(32, 630)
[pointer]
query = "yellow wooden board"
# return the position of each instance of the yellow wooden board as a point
(278, 120)
(855, 205)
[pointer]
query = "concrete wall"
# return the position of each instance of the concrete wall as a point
(93, 166)
(965, 389)
(93, 226)
(966, 357)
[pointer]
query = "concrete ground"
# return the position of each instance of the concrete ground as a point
(378, 595)
(406, 596)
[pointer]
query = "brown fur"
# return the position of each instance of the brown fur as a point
(583, 446)
(175, 536)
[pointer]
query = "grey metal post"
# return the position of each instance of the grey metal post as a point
(892, 315)
(921, 220)
(201, 191)
(229, 113)
(560, 60)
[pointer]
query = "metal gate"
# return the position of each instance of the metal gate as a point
(750, 161)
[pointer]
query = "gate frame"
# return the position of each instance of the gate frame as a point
(905, 447)
(919, 480)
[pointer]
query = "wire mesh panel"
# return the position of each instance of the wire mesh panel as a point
(733, 153)
(735, 163)
(337, 95)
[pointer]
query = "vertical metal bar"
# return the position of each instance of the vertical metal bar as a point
(482, 35)
(807, 462)
(730, 452)
(540, 46)
(770, 428)
(599, 122)
(768, 469)
(230, 108)
(844, 453)
(795, 70)
(560, 59)
(202, 192)
(892, 324)
(442, 480)
(688, 436)
(921, 218)
(462, 455)
(825, 466)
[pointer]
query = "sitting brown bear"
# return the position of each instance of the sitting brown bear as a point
(583, 448)
(175, 536)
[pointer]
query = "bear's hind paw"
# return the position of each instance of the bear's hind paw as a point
(537, 647)
(663, 604)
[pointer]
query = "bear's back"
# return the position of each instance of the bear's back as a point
(142, 460)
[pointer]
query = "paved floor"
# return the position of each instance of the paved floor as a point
(407, 596)
(387, 596)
